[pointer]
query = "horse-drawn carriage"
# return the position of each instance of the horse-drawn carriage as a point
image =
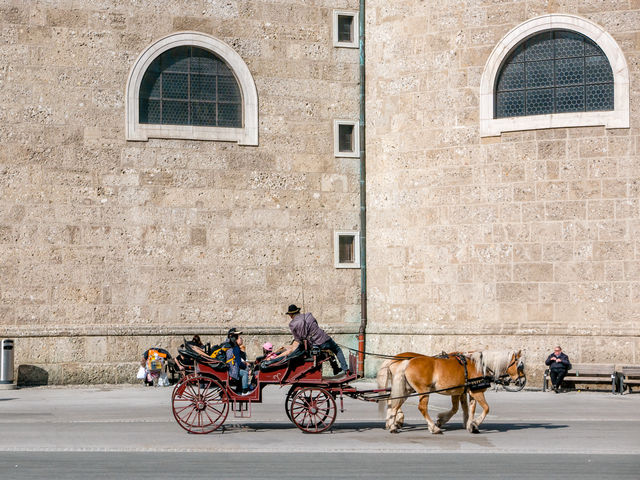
(202, 400)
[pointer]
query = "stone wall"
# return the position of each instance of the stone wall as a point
(526, 240)
(108, 247)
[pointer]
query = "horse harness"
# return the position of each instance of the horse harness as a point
(471, 384)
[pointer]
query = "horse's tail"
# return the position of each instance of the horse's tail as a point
(384, 381)
(384, 374)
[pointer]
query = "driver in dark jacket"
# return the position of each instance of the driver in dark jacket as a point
(559, 365)
(304, 328)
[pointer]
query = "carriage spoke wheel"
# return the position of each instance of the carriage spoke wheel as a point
(200, 404)
(287, 401)
(313, 409)
(517, 384)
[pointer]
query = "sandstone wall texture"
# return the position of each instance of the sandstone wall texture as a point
(108, 247)
(525, 240)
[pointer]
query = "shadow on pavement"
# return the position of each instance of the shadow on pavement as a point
(348, 427)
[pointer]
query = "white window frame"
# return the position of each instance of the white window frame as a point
(616, 118)
(245, 135)
(336, 139)
(355, 43)
(336, 248)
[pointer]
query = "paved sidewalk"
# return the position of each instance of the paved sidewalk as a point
(139, 419)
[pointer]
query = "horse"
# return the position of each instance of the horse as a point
(448, 374)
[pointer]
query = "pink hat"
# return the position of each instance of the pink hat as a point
(267, 346)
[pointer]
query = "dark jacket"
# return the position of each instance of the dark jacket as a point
(564, 363)
(305, 327)
(235, 360)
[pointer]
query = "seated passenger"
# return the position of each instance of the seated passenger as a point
(238, 367)
(186, 363)
(268, 353)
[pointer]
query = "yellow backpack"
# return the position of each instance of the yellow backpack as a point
(155, 360)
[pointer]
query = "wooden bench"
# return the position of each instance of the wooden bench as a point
(595, 373)
(628, 375)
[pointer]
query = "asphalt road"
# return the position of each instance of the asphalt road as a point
(129, 431)
(116, 465)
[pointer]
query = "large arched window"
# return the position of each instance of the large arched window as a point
(191, 86)
(554, 71)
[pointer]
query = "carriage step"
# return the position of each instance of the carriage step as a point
(241, 409)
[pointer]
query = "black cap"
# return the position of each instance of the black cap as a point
(233, 332)
(293, 309)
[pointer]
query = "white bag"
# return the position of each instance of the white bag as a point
(142, 372)
(163, 380)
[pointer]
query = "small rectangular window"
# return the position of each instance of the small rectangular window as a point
(346, 246)
(345, 29)
(346, 142)
(345, 138)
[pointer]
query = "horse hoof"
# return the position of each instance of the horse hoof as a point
(394, 430)
(436, 431)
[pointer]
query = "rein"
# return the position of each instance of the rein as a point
(380, 355)
(474, 382)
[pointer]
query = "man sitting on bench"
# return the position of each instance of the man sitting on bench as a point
(559, 365)
(304, 327)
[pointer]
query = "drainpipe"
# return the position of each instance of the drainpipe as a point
(363, 201)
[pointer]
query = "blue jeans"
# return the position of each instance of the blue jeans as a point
(333, 346)
(244, 378)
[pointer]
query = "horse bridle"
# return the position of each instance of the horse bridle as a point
(505, 378)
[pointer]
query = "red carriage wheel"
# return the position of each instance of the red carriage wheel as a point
(313, 409)
(200, 404)
(287, 401)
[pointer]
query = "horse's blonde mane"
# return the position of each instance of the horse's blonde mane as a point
(494, 362)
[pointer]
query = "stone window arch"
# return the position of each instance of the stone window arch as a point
(556, 101)
(191, 86)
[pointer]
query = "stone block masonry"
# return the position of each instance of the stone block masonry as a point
(108, 247)
(524, 240)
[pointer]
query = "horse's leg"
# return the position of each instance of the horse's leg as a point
(464, 403)
(395, 417)
(478, 397)
(444, 417)
(394, 413)
(422, 406)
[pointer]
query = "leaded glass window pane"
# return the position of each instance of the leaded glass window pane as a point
(175, 85)
(539, 74)
(512, 77)
(570, 99)
(600, 97)
(570, 71)
(569, 44)
(203, 113)
(228, 114)
(554, 72)
(510, 104)
(190, 86)
(203, 87)
(539, 101)
(175, 113)
(539, 47)
(598, 70)
(228, 89)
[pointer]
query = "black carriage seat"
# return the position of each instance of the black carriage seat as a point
(280, 362)
(300, 355)
(213, 363)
